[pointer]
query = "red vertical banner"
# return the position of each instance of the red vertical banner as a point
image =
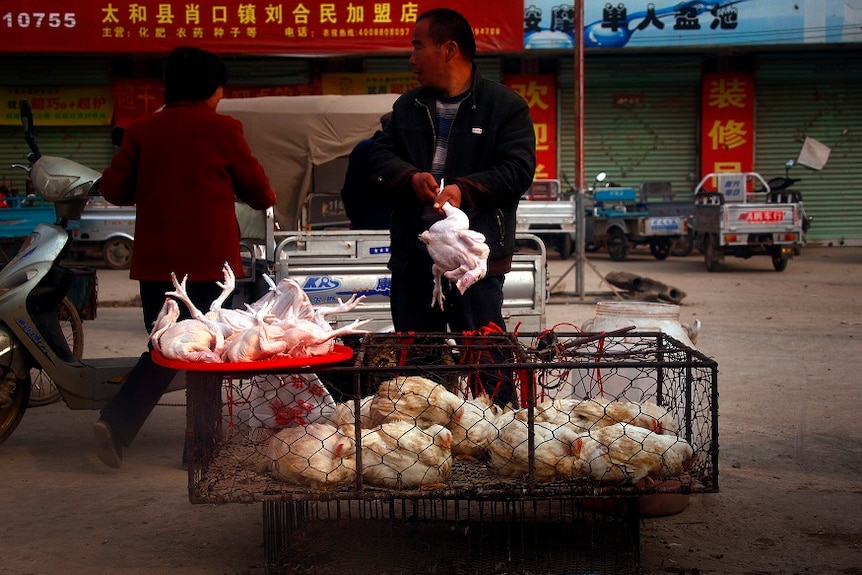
(727, 133)
(540, 91)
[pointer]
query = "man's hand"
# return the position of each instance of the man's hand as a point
(451, 194)
(425, 187)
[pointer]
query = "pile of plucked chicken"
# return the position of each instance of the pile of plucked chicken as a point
(282, 323)
(412, 428)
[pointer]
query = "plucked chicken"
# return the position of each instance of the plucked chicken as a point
(620, 453)
(261, 342)
(459, 253)
(281, 323)
(399, 454)
(229, 321)
(306, 329)
(185, 340)
(317, 455)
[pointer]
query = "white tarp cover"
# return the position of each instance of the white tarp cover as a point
(292, 134)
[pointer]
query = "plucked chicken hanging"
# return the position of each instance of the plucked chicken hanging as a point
(459, 253)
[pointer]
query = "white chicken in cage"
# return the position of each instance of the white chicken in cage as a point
(399, 454)
(589, 414)
(473, 427)
(628, 453)
(316, 455)
(554, 453)
(417, 399)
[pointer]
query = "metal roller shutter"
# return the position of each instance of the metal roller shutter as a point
(489, 67)
(88, 145)
(653, 137)
(818, 95)
(34, 71)
(267, 71)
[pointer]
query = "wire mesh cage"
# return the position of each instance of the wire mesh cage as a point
(409, 536)
(442, 421)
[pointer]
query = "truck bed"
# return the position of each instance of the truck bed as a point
(743, 223)
(332, 264)
(554, 216)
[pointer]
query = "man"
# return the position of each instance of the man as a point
(474, 136)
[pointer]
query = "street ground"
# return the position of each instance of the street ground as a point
(790, 501)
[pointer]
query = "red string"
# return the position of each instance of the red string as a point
(474, 357)
(408, 341)
(230, 402)
(601, 348)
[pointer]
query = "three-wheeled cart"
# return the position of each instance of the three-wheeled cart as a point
(738, 219)
(617, 220)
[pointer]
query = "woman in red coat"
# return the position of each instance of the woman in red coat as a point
(182, 168)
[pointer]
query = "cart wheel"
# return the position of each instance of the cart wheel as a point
(709, 252)
(660, 248)
(682, 246)
(565, 246)
(618, 245)
(117, 253)
(14, 397)
(42, 388)
(779, 263)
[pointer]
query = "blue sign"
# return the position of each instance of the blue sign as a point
(672, 23)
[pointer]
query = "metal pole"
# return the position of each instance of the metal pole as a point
(580, 223)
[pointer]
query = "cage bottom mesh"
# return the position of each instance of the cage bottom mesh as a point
(450, 538)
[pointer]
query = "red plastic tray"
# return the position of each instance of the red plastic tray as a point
(339, 353)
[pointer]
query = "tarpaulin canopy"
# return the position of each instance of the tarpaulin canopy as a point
(292, 134)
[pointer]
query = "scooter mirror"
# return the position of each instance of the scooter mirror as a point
(601, 177)
(29, 129)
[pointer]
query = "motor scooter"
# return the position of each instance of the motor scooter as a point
(33, 284)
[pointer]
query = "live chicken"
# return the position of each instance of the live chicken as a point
(628, 453)
(317, 455)
(459, 253)
(473, 427)
(589, 414)
(345, 414)
(399, 454)
(416, 399)
(554, 451)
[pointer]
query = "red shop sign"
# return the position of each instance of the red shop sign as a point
(235, 27)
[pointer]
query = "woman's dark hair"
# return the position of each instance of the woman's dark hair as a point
(193, 74)
(446, 24)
